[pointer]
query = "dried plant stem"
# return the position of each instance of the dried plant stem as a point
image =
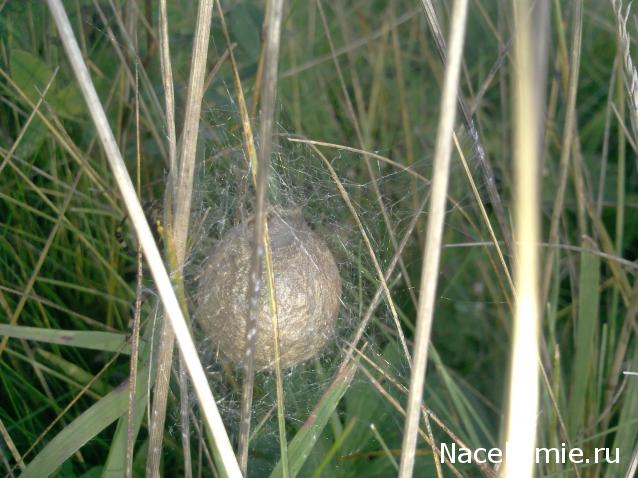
(520, 434)
(267, 116)
(486, 218)
(262, 246)
(631, 76)
(157, 414)
(184, 415)
(366, 240)
(434, 236)
(255, 272)
(633, 465)
(11, 446)
(481, 156)
(259, 74)
(135, 330)
(177, 210)
(566, 148)
(169, 93)
(36, 271)
(135, 340)
(166, 340)
(373, 182)
(191, 129)
(261, 251)
(145, 237)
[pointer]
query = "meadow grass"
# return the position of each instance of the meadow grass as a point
(474, 174)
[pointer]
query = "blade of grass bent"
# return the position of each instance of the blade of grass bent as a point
(191, 128)
(73, 371)
(304, 441)
(434, 237)
(80, 431)
(145, 236)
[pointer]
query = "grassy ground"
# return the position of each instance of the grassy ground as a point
(357, 77)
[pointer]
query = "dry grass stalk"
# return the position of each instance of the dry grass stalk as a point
(261, 246)
(434, 236)
(137, 313)
(11, 446)
(566, 149)
(631, 76)
(481, 156)
(169, 93)
(249, 373)
(255, 272)
(373, 182)
(397, 406)
(177, 209)
(524, 384)
(145, 237)
(27, 290)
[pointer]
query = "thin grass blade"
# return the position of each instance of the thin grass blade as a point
(302, 444)
(102, 341)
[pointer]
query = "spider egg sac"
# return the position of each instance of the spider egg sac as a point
(307, 290)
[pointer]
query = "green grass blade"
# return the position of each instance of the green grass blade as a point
(306, 438)
(102, 341)
(334, 448)
(585, 357)
(115, 466)
(627, 435)
(74, 372)
(81, 430)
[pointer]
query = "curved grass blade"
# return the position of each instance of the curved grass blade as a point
(304, 441)
(79, 432)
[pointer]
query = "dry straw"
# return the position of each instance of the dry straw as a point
(520, 435)
(177, 207)
(145, 237)
(434, 236)
(631, 76)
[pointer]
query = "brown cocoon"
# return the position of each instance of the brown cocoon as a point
(307, 289)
